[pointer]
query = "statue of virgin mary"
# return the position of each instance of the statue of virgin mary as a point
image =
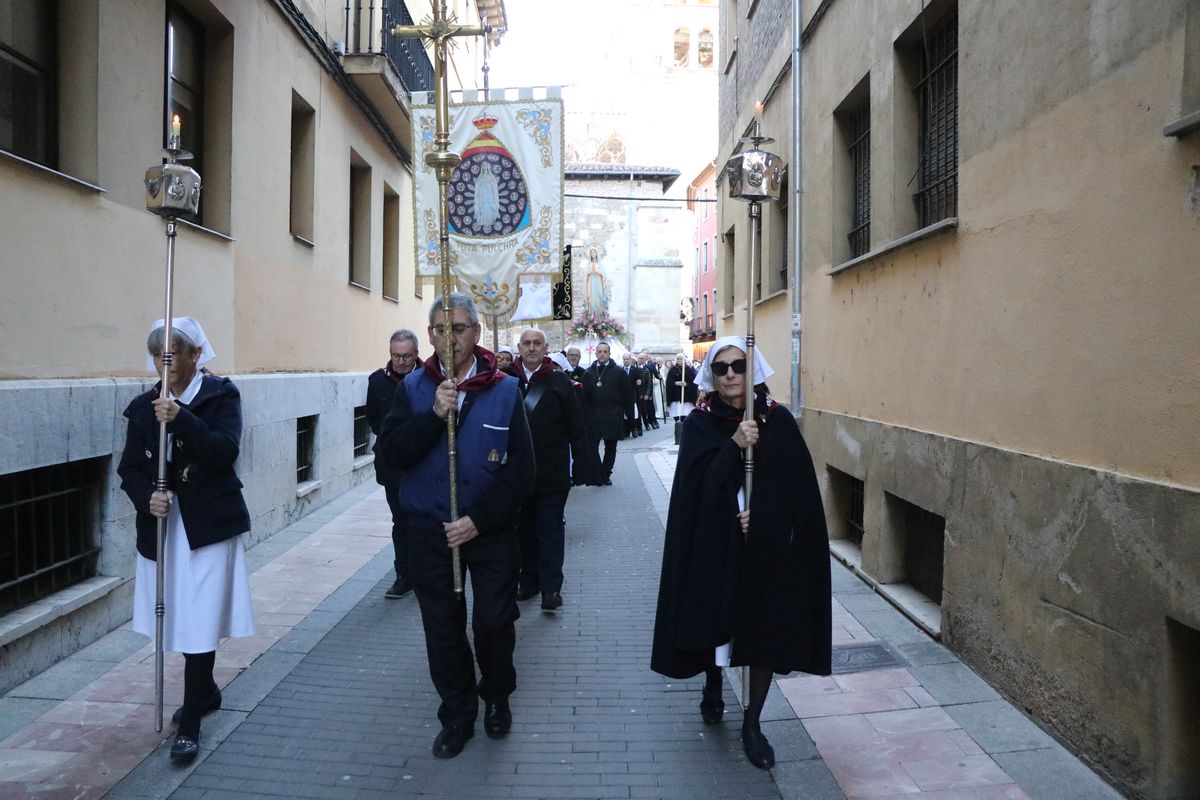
(597, 291)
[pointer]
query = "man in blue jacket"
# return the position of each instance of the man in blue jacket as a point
(495, 474)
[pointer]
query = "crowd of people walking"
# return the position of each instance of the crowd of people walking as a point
(743, 584)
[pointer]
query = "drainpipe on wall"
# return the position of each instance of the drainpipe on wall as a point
(629, 283)
(796, 184)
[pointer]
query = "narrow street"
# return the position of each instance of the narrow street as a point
(332, 698)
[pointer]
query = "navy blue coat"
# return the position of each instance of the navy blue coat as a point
(207, 433)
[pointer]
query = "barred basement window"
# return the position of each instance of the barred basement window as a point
(860, 183)
(937, 96)
(846, 493)
(362, 432)
(306, 434)
(48, 520)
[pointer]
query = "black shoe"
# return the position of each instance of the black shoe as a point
(607, 482)
(712, 707)
(497, 718)
(184, 749)
(451, 741)
(526, 592)
(214, 704)
(551, 601)
(400, 588)
(758, 749)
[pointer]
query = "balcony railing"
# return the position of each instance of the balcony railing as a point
(368, 23)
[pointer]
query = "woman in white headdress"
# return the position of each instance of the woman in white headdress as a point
(206, 584)
(742, 587)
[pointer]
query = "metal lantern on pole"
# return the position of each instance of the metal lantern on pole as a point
(172, 192)
(755, 177)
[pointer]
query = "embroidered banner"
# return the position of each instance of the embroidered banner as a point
(563, 301)
(505, 197)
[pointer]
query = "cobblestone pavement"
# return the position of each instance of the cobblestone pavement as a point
(334, 699)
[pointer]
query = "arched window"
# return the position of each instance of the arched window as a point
(612, 151)
(704, 48)
(683, 46)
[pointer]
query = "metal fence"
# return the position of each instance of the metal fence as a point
(362, 432)
(937, 94)
(306, 430)
(48, 519)
(368, 26)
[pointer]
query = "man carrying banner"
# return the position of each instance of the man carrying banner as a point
(495, 474)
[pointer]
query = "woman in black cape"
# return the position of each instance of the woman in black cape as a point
(757, 579)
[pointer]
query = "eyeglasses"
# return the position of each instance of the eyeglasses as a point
(719, 368)
(404, 356)
(459, 329)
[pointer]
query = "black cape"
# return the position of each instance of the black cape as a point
(769, 591)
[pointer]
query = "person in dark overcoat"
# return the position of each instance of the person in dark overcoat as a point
(610, 401)
(206, 586)
(755, 579)
(637, 379)
(652, 376)
(381, 390)
(681, 389)
(573, 370)
(557, 426)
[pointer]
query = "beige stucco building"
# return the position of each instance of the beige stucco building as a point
(299, 267)
(1001, 350)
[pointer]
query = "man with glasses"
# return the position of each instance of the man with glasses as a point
(381, 389)
(495, 473)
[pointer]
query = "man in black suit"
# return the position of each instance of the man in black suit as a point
(633, 422)
(557, 424)
(576, 372)
(610, 401)
(650, 374)
(381, 390)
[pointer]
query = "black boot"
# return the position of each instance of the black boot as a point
(758, 749)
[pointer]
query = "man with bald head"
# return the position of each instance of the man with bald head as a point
(556, 424)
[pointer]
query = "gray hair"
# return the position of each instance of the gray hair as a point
(539, 331)
(457, 300)
(154, 342)
(405, 335)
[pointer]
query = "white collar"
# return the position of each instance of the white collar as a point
(193, 389)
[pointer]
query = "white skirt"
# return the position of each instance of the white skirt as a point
(206, 592)
(678, 409)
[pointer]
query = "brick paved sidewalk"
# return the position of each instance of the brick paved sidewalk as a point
(336, 700)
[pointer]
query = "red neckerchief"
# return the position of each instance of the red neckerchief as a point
(546, 367)
(486, 375)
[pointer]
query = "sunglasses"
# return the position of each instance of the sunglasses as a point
(719, 368)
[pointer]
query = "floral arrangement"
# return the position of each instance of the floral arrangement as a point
(600, 326)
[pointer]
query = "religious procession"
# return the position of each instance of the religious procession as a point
(721, 448)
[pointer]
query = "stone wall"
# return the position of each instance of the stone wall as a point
(51, 422)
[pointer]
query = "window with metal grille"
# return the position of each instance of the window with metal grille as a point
(860, 182)
(847, 493)
(48, 519)
(937, 136)
(306, 434)
(28, 78)
(921, 537)
(362, 432)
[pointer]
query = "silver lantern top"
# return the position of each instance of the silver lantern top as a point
(754, 174)
(173, 189)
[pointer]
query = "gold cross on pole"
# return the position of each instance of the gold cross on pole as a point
(439, 30)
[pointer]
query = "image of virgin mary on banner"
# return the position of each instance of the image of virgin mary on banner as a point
(505, 196)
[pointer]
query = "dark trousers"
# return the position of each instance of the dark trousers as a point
(491, 560)
(541, 532)
(610, 458)
(399, 530)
